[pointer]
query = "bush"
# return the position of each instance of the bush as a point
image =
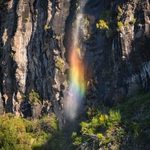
(13, 134)
(103, 25)
(46, 27)
(133, 21)
(22, 134)
(34, 98)
(121, 126)
(60, 64)
(120, 26)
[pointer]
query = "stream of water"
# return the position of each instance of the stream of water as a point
(77, 68)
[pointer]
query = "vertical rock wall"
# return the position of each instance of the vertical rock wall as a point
(32, 55)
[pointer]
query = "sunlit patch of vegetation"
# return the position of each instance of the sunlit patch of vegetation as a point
(102, 25)
(120, 12)
(22, 134)
(133, 21)
(58, 37)
(105, 23)
(120, 26)
(46, 27)
(26, 19)
(12, 53)
(60, 64)
(119, 127)
(34, 98)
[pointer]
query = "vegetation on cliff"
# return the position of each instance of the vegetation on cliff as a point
(26, 134)
(124, 126)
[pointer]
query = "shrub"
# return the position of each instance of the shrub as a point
(26, 19)
(22, 134)
(46, 27)
(133, 21)
(119, 13)
(121, 126)
(34, 98)
(102, 25)
(58, 37)
(13, 134)
(119, 9)
(60, 64)
(120, 26)
(12, 53)
(105, 23)
(86, 21)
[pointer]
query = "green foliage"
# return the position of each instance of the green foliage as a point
(103, 121)
(60, 64)
(46, 27)
(65, 83)
(58, 37)
(75, 22)
(34, 98)
(86, 21)
(119, 9)
(120, 26)
(102, 25)
(77, 4)
(126, 24)
(23, 96)
(133, 21)
(26, 19)
(13, 134)
(105, 23)
(119, 13)
(22, 134)
(77, 141)
(126, 123)
(12, 53)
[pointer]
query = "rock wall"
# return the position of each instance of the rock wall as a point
(32, 55)
(35, 38)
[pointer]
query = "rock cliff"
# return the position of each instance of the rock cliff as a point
(35, 39)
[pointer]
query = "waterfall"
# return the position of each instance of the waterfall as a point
(76, 74)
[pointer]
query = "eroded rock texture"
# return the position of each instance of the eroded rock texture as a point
(35, 38)
(32, 35)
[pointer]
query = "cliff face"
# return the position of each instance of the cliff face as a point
(31, 44)
(35, 39)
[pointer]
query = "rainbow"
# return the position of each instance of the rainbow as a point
(76, 75)
(77, 83)
(76, 92)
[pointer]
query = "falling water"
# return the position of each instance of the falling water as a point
(76, 74)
